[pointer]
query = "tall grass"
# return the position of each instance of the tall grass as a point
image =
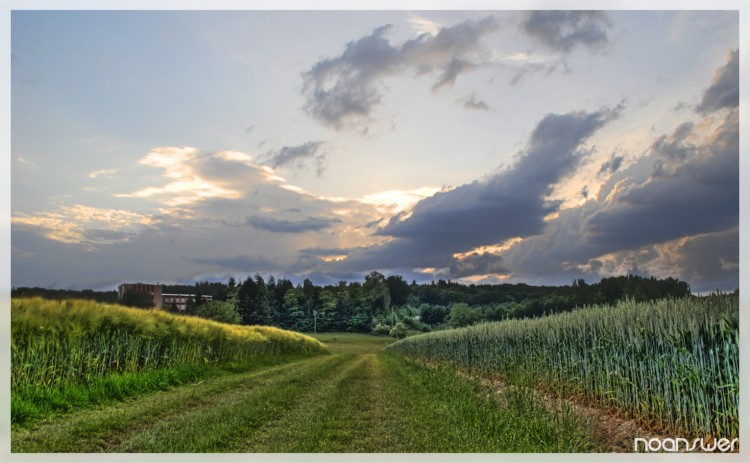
(674, 363)
(59, 344)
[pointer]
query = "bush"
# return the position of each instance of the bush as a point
(462, 314)
(398, 331)
(219, 311)
(381, 330)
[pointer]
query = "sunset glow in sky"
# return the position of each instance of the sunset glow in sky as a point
(499, 146)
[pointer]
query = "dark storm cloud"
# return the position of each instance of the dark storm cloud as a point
(511, 203)
(322, 252)
(297, 156)
(289, 226)
(342, 92)
(708, 261)
(724, 91)
(100, 236)
(674, 212)
(612, 165)
(564, 30)
(478, 264)
(241, 263)
(698, 193)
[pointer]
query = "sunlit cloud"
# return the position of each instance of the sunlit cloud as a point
(394, 201)
(422, 25)
(494, 249)
(186, 187)
(487, 278)
(102, 172)
(334, 258)
(26, 163)
(85, 224)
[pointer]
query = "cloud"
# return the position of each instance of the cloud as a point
(508, 204)
(242, 263)
(424, 25)
(297, 156)
(102, 172)
(612, 165)
(478, 264)
(724, 91)
(26, 163)
(342, 92)
(86, 225)
(471, 102)
(288, 226)
(565, 30)
(511, 203)
(695, 191)
(158, 242)
(192, 241)
(186, 185)
(706, 261)
(674, 212)
(392, 202)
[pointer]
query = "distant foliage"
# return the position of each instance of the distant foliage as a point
(674, 362)
(358, 306)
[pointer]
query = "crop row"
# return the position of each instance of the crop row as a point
(73, 341)
(674, 363)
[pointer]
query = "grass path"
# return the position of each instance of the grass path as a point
(355, 400)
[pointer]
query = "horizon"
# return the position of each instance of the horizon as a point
(299, 283)
(528, 147)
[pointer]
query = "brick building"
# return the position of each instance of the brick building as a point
(159, 300)
(141, 288)
(180, 300)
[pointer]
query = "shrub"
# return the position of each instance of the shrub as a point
(398, 331)
(381, 330)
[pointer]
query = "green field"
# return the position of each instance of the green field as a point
(673, 364)
(179, 384)
(354, 399)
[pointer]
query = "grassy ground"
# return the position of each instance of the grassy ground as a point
(352, 342)
(355, 400)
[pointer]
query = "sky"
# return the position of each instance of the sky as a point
(476, 146)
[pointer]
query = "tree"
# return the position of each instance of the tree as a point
(376, 288)
(252, 302)
(463, 315)
(432, 314)
(219, 311)
(398, 289)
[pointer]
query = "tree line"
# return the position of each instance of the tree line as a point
(380, 302)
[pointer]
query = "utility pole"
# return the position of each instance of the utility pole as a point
(315, 321)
